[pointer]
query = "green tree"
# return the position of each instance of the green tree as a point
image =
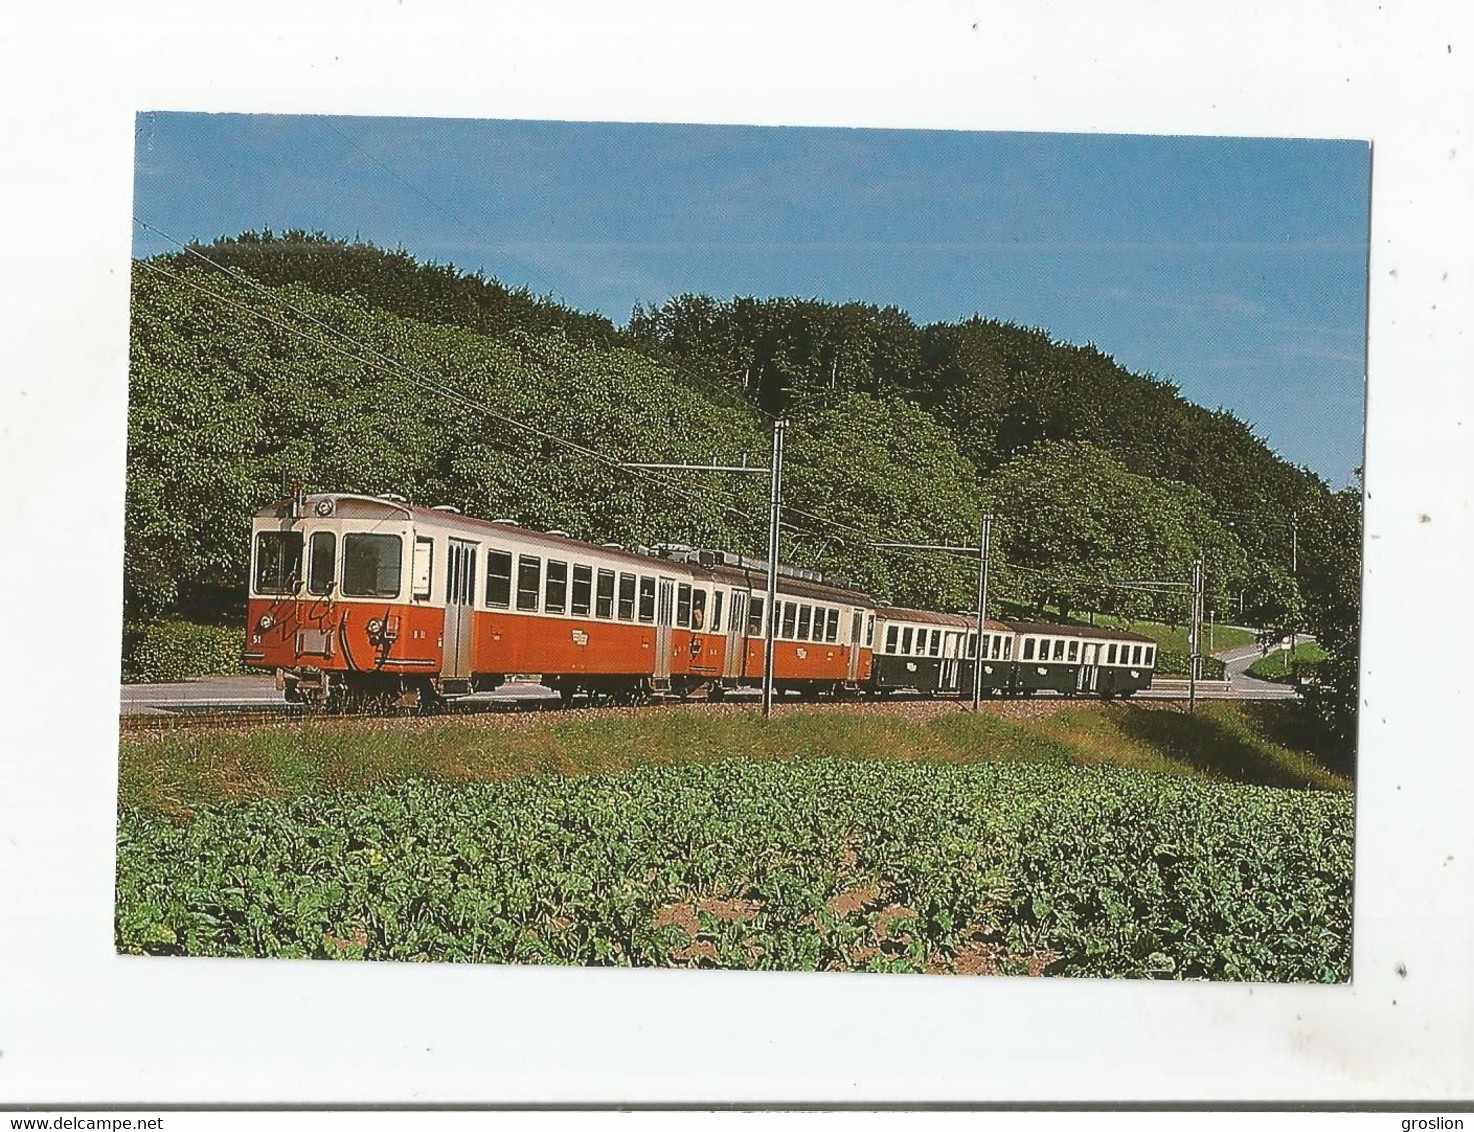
(1330, 576)
(1084, 533)
(223, 402)
(888, 469)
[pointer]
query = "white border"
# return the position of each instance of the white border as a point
(79, 1024)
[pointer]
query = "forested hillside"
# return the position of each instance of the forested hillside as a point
(354, 368)
(396, 281)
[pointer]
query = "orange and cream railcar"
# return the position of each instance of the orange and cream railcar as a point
(367, 600)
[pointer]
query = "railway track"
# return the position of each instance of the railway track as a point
(227, 717)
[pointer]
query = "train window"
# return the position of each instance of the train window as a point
(420, 568)
(498, 579)
(869, 630)
(755, 624)
(322, 562)
(581, 600)
(934, 645)
(1007, 648)
(529, 581)
(789, 618)
(831, 627)
(1111, 655)
(555, 589)
(1059, 649)
(647, 599)
(626, 597)
(604, 595)
(1028, 648)
(907, 635)
(698, 609)
(1135, 654)
(683, 605)
(1150, 651)
(892, 636)
(717, 599)
(371, 565)
(972, 645)
(1074, 651)
(805, 617)
(278, 561)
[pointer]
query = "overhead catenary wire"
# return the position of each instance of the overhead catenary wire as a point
(394, 370)
(405, 370)
(393, 367)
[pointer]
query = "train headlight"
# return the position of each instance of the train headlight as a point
(266, 622)
(375, 627)
(324, 507)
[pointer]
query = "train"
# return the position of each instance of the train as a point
(371, 602)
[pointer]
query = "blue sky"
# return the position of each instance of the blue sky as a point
(1233, 267)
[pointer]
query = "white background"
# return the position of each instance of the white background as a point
(78, 1023)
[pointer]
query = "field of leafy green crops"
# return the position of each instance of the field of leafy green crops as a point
(787, 864)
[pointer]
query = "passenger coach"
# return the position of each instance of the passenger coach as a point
(1080, 660)
(934, 653)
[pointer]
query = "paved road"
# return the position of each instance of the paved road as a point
(1236, 662)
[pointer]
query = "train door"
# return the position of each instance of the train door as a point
(857, 638)
(1088, 676)
(949, 675)
(736, 635)
(460, 608)
(665, 605)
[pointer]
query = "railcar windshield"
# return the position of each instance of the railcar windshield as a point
(322, 564)
(372, 565)
(278, 561)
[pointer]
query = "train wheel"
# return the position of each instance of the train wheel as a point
(431, 701)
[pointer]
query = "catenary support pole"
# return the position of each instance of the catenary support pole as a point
(1195, 632)
(775, 520)
(978, 651)
(1295, 575)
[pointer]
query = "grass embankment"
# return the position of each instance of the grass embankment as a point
(1099, 840)
(1173, 638)
(1281, 665)
(172, 772)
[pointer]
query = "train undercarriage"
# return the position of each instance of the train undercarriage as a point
(373, 693)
